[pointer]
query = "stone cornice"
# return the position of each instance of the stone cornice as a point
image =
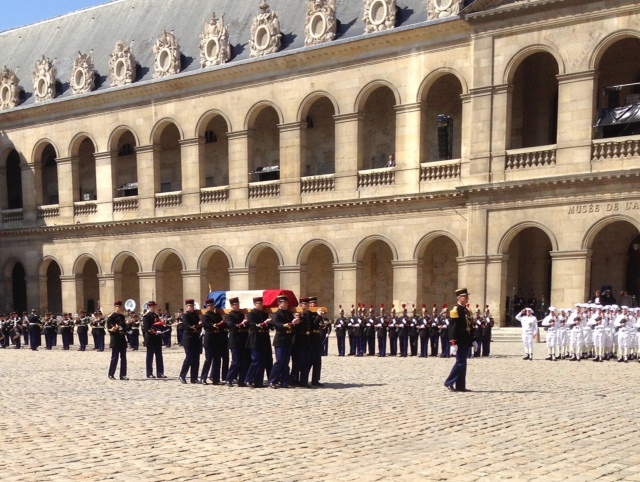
(576, 254)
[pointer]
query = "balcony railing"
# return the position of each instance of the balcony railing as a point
(169, 199)
(385, 176)
(12, 215)
(264, 189)
(122, 204)
(440, 170)
(530, 157)
(48, 212)
(615, 148)
(210, 195)
(313, 184)
(85, 208)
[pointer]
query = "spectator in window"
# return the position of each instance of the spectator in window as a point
(391, 162)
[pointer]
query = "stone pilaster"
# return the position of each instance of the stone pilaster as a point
(238, 279)
(344, 280)
(570, 272)
(33, 292)
(29, 209)
(290, 278)
(192, 285)
(290, 149)
(106, 284)
(148, 180)
(191, 182)
(238, 169)
(148, 291)
(65, 189)
(407, 153)
(405, 281)
(70, 285)
(104, 186)
(348, 149)
(496, 292)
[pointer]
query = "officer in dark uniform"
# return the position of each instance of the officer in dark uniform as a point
(49, 330)
(191, 343)
(487, 325)
(35, 328)
(82, 325)
(284, 322)
(212, 323)
(459, 336)
(318, 327)
(434, 330)
(134, 336)
(258, 322)
(99, 327)
(237, 325)
(66, 331)
(403, 332)
(302, 346)
(443, 325)
(424, 328)
(340, 327)
(117, 325)
(393, 332)
(381, 332)
(179, 326)
(325, 331)
(370, 332)
(153, 329)
(358, 331)
(351, 322)
(414, 322)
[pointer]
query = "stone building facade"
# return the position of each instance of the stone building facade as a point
(157, 155)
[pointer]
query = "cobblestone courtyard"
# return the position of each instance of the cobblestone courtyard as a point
(376, 419)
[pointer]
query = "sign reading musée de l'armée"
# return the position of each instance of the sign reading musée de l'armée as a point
(610, 207)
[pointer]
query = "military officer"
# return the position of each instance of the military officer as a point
(212, 323)
(258, 322)
(82, 326)
(370, 330)
(191, 343)
(237, 325)
(340, 328)
(351, 331)
(393, 332)
(414, 323)
(35, 328)
(116, 324)
(423, 332)
(443, 326)
(487, 325)
(153, 328)
(318, 324)
(459, 337)
(284, 323)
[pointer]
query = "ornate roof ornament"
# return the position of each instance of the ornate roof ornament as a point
(9, 89)
(214, 43)
(379, 15)
(83, 79)
(44, 80)
(321, 24)
(265, 32)
(437, 9)
(122, 65)
(167, 53)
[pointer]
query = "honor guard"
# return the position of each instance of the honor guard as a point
(443, 326)
(35, 328)
(423, 332)
(258, 343)
(153, 328)
(191, 343)
(487, 325)
(284, 323)
(370, 330)
(212, 324)
(393, 332)
(381, 327)
(414, 323)
(116, 324)
(351, 321)
(319, 334)
(402, 324)
(82, 327)
(240, 358)
(66, 331)
(340, 328)
(460, 337)
(550, 324)
(358, 330)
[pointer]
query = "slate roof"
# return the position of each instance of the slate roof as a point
(143, 21)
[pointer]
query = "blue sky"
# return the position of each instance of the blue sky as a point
(16, 14)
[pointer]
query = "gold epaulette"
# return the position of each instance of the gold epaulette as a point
(454, 313)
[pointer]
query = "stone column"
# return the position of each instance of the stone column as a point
(29, 209)
(496, 292)
(65, 189)
(290, 145)
(104, 186)
(405, 281)
(106, 284)
(147, 280)
(577, 93)
(570, 273)
(472, 275)
(408, 145)
(33, 293)
(4, 201)
(290, 278)
(238, 279)
(191, 182)
(43, 300)
(69, 293)
(147, 182)
(480, 137)
(238, 169)
(348, 149)
(192, 285)
(501, 130)
(344, 282)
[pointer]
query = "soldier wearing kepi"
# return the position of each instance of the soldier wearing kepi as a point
(284, 323)
(236, 324)
(212, 323)
(414, 323)
(117, 325)
(258, 325)
(340, 327)
(191, 343)
(459, 337)
(350, 331)
(82, 325)
(317, 340)
(153, 330)
(35, 326)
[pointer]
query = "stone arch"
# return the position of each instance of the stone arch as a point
(259, 107)
(308, 101)
(120, 258)
(358, 253)
(162, 256)
(46, 172)
(207, 117)
(304, 252)
(160, 126)
(81, 260)
(507, 238)
(40, 146)
(208, 252)
(597, 227)
(45, 262)
(214, 264)
(433, 235)
(50, 271)
(117, 133)
(74, 145)
(257, 249)
(15, 285)
(370, 88)
(521, 55)
(608, 41)
(10, 263)
(432, 77)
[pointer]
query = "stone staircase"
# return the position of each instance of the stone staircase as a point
(504, 334)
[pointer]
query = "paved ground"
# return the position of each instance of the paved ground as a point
(376, 419)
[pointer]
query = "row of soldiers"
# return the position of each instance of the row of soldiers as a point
(405, 331)
(592, 331)
(298, 336)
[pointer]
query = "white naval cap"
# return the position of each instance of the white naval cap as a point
(552, 309)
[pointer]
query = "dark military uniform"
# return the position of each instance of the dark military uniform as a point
(116, 324)
(459, 333)
(192, 346)
(35, 327)
(240, 357)
(82, 326)
(282, 342)
(212, 323)
(340, 327)
(256, 338)
(153, 344)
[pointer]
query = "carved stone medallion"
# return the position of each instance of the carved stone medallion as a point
(265, 32)
(437, 9)
(44, 80)
(321, 24)
(83, 78)
(9, 89)
(214, 43)
(167, 53)
(379, 15)
(122, 65)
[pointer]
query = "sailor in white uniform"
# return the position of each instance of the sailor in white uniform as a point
(529, 325)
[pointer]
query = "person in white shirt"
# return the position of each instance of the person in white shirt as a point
(550, 322)
(529, 325)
